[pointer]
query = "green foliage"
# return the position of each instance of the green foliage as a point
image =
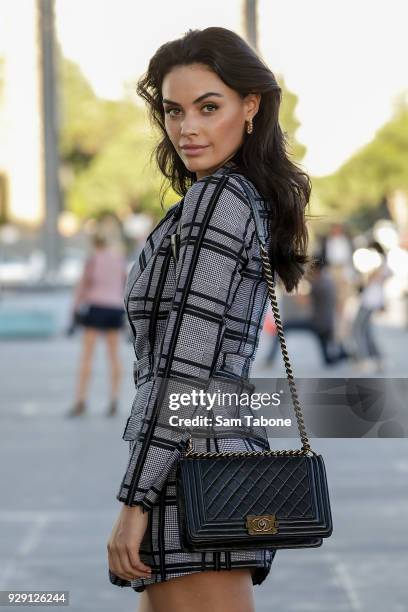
(105, 147)
(289, 123)
(372, 173)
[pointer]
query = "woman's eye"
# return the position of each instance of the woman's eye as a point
(214, 106)
(168, 111)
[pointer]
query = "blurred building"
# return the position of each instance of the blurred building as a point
(22, 198)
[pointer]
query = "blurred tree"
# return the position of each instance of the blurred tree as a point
(372, 173)
(105, 148)
(289, 122)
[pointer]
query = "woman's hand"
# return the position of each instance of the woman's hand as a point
(124, 542)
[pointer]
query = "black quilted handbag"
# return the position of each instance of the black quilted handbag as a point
(254, 499)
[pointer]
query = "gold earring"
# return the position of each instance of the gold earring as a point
(250, 126)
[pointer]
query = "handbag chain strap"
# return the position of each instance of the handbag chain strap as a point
(269, 277)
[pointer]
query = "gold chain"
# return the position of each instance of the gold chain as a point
(266, 453)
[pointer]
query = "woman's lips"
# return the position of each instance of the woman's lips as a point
(194, 150)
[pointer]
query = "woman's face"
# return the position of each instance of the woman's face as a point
(200, 109)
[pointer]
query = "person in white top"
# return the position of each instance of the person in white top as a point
(372, 299)
(373, 295)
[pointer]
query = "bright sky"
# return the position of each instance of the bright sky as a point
(344, 59)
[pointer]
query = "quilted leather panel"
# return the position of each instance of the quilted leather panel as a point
(249, 486)
(217, 493)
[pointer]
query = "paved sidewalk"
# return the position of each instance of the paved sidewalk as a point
(59, 478)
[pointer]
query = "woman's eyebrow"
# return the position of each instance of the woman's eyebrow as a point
(209, 93)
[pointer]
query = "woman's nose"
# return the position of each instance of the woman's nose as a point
(189, 125)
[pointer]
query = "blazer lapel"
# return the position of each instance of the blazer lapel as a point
(153, 243)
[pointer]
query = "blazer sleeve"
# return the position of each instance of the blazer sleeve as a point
(217, 229)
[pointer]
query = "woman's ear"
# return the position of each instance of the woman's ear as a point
(252, 102)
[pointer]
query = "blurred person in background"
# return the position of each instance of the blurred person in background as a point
(337, 251)
(322, 320)
(372, 299)
(98, 308)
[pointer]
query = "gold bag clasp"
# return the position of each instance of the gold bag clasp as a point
(261, 524)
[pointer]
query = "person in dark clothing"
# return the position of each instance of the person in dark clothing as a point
(321, 323)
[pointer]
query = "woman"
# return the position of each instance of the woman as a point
(216, 104)
(100, 291)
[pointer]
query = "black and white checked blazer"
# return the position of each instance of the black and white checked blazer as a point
(193, 319)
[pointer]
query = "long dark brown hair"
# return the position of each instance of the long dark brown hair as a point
(262, 157)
